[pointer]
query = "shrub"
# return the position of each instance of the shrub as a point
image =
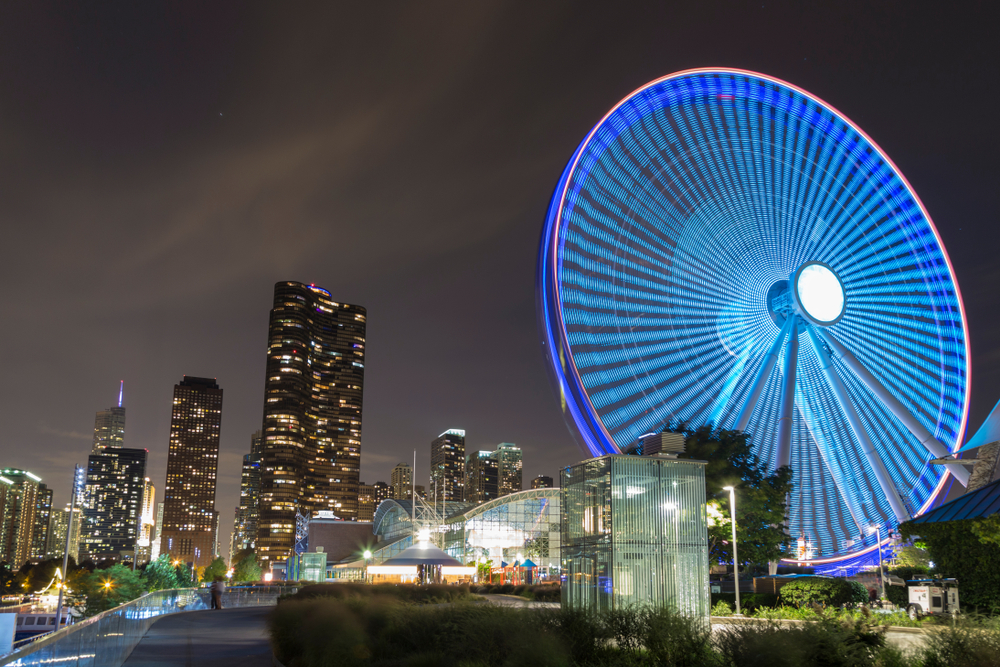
(749, 602)
(965, 644)
(407, 592)
(827, 591)
(859, 594)
(722, 608)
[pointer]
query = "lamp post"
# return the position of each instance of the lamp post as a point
(878, 545)
(368, 555)
(736, 562)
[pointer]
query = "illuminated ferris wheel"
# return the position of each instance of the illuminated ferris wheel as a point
(726, 248)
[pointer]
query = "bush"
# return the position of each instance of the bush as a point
(828, 642)
(749, 602)
(431, 593)
(859, 593)
(827, 591)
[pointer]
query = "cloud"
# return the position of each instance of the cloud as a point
(73, 435)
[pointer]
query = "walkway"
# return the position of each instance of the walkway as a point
(225, 638)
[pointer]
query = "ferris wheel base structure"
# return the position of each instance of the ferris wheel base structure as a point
(725, 248)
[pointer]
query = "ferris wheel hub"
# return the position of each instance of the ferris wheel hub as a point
(818, 293)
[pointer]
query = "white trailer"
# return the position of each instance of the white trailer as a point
(932, 597)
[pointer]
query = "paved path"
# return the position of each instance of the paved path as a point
(225, 638)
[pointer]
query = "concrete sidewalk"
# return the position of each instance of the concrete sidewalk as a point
(220, 638)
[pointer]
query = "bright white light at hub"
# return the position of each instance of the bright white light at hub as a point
(820, 293)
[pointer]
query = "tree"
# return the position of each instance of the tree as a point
(109, 588)
(217, 568)
(160, 574)
(246, 567)
(761, 504)
(965, 550)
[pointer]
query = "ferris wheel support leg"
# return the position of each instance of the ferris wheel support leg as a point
(867, 446)
(783, 452)
(932, 444)
(760, 380)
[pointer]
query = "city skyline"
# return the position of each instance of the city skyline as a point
(240, 162)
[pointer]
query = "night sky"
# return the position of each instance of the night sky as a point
(163, 165)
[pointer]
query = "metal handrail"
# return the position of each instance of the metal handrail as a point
(117, 631)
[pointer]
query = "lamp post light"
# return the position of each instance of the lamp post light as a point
(368, 555)
(878, 545)
(736, 562)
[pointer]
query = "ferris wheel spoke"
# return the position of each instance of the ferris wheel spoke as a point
(929, 442)
(783, 452)
(854, 420)
(763, 373)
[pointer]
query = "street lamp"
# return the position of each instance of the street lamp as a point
(368, 555)
(878, 545)
(736, 562)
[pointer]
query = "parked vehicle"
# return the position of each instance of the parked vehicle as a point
(932, 597)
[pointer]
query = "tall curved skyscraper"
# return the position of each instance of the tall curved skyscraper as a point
(311, 457)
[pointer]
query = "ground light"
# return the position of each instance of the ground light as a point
(736, 563)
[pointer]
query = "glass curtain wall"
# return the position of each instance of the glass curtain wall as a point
(634, 532)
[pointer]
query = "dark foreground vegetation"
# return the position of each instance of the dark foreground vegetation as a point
(407, 627)
(536, 592)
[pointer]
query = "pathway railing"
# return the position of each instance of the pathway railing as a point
(107, 639)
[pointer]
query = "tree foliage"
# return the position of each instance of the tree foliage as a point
(760, 495)
(106, 589)
(966, 551)
(161, 574)
(246, 567)
(217, 568)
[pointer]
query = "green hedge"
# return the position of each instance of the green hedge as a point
(829, 591)
(748, 601)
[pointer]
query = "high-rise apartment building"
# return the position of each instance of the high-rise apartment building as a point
(245, 526)
(43, 519)
(402, 481)
(542, 482)
(366, 502)
(448, 466)
(190, 522)
(112, 502)
(369, 498)
(481, 473)
(509, 465)
(58, 526)
(154, 549)
(312, 413)
(19, 520)
(382, 492)
(144, 544)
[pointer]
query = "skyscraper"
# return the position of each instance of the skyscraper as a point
(382, 492)
(146, 523)
(43, 517)
(245, 526)
(58, 525)
(509, 465)
(189, 516)
(402, 481)
(312, 413)
(366, 502)
(154, 548)
(481, 473)
(19, 491)
(542, 482)
(112, 504)
(448, 466)
(109, 425)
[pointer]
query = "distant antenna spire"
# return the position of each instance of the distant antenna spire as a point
(121, 390)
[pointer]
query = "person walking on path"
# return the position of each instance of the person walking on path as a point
(218, 588)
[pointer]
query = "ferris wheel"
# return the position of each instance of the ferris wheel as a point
(726, 248)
